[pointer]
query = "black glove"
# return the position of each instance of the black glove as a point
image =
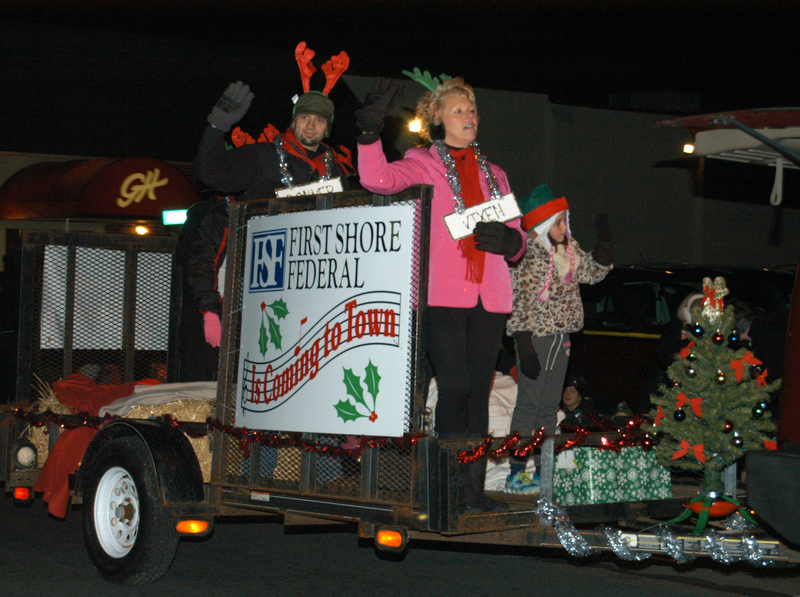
(376, 106)
(602, 252)
(497, 238)
(526, 353)
(231, 107)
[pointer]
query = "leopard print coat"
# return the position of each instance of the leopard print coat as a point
(563, 312)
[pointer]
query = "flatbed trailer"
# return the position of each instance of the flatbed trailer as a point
(399, 489)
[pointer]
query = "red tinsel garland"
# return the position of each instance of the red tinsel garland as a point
(630, 435)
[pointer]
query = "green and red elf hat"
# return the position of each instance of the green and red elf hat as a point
(540, 207)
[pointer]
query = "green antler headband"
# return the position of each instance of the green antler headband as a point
(425, 79)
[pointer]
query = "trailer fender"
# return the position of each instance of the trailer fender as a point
(178, 473)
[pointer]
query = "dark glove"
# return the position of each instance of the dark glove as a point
(497, 238)
(526, 353)
(231, 107)
(376, 106)
(602, 252)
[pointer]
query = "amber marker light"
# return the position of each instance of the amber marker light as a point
(142, 230)
(192, 527)
(415, 126)
(22, 494)
(390, 539)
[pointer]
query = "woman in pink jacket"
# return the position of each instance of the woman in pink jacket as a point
(469, 284)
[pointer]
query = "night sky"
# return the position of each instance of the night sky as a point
(733, 54)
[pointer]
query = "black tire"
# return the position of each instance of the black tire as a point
(130, 542)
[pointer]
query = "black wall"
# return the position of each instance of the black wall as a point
(99, 94)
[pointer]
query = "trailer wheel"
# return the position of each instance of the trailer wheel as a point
(127, 532)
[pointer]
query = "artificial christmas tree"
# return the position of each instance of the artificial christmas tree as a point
(715, 409)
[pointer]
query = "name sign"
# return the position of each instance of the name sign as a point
(460, 225)
(321, 187)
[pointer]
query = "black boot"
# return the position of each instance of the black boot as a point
(477, 500)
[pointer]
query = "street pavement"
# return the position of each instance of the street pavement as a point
(41, 556)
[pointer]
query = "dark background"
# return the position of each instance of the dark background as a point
(73, 71)
(734, 53)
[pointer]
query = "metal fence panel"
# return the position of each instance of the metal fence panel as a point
(100, 305)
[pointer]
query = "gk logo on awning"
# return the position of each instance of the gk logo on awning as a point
(268, 261)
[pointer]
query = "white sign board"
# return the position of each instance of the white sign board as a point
(325, 322)
(321, 187)
(460, 225)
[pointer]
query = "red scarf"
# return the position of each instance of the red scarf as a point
(469, 173)
(293, 146)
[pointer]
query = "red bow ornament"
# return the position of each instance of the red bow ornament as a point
(761, 380)
(659, 416)
(738, 366)
(697, 449)
(694, 403)
(709, 299)
(687, 349)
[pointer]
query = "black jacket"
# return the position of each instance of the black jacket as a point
(252, 171)
(200, 250)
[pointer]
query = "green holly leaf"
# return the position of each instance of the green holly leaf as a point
(280, 309)
(263, 339)
(372, 379)
(274, 332)
(347, 411)
(353, 384)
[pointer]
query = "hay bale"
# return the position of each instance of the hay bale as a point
(185, 410)
(40, 436)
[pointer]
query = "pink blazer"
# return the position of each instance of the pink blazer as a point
(447, 283)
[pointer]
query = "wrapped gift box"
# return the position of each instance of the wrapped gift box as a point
(602, 476)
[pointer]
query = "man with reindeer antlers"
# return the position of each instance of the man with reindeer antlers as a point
(252, 170)
(296, 157)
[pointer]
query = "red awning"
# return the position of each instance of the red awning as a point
(135, 187)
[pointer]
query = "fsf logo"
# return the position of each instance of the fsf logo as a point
(267, 260)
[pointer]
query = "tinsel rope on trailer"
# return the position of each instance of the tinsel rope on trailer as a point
(630, 435)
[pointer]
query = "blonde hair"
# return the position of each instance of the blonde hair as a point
(686, 306)
(429, 106)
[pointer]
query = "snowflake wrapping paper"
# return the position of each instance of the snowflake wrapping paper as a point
(603, 476)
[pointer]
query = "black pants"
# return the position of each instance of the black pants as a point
(463, 345)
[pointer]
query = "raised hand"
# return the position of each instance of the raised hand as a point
(231, 107)
(377, 105)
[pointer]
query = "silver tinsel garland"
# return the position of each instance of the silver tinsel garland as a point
(619, 546)
(283, 165)
(576, 545)
(566, 532)
(671, 545)
(455, 181)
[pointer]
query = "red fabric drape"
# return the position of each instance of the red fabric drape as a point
(81, 394)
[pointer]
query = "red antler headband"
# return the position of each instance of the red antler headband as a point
(333, 68)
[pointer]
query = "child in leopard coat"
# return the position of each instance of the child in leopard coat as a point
(547, 308)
